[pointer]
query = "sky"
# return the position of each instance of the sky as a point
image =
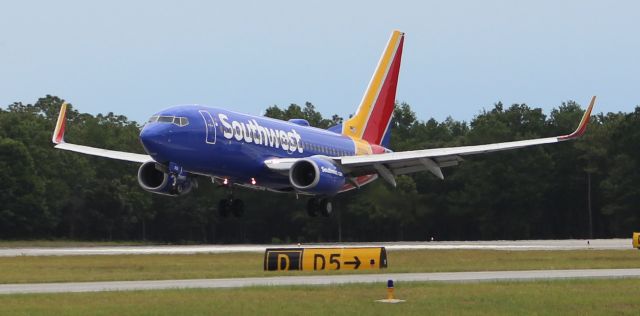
(460, 57)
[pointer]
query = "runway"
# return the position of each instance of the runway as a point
(519, 245)
(77, 287)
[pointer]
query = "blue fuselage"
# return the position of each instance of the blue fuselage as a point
(226, 144)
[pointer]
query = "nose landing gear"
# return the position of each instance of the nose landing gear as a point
(322, 206)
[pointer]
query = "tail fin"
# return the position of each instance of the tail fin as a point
(373, 117)
(58, 133)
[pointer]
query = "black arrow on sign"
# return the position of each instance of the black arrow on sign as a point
(356, 262)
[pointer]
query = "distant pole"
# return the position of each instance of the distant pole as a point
(589, 205)
(339, 224)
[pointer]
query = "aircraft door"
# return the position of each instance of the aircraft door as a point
(210, 127)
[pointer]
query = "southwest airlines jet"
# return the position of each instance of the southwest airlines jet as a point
(234, 149)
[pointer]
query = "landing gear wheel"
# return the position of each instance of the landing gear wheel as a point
(325, 207)
(312, 207)
(224, 208)
(237, 207)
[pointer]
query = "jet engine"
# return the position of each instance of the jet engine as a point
(152, 178)
(318, 175)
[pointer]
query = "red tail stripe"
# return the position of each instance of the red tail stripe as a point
(60, 135)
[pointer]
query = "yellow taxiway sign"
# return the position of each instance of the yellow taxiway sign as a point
(317, 259)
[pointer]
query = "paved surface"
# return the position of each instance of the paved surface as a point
(318, 280)
(571, 244)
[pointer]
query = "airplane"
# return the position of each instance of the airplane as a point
(233, 149)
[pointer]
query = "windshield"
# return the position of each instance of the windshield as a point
(177, 120)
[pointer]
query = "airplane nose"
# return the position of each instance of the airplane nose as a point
(153, 138)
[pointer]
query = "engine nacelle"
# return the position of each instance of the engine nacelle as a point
(153, 180)
(317, 175)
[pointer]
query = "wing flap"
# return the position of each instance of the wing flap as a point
(445, 153)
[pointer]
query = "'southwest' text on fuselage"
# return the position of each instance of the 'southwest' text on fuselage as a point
(252, 132)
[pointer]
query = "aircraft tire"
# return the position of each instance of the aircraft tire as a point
(326, 207)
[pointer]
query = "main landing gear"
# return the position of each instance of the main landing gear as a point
(321, 206)
(231, 205)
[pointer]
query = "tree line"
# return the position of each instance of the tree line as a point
(579, 189)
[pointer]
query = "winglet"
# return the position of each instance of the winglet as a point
(582, 127)
(58, 133)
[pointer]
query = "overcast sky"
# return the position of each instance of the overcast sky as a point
(136, 57)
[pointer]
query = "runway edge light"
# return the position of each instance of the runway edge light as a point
(390, 297)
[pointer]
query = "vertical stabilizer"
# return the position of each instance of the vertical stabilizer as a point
(58, 133)
(371, 120)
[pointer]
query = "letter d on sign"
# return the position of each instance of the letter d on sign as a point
(282, 259)
(283, 262)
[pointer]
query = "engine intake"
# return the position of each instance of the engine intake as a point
(317, 175)
(154, 180)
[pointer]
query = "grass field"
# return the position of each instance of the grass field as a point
(567, 297)
(27, 269)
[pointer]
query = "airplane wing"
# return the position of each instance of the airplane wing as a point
(389, 165)
(58, 139)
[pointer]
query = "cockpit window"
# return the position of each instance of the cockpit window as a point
(165, 119)
(180, 121)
